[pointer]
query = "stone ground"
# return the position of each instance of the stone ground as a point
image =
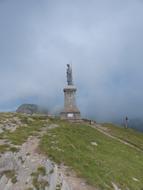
(27, 169)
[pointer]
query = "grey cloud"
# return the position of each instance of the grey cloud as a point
(103, 39)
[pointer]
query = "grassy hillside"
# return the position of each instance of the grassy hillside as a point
(129, 135)
(108, 162)
(98, 158)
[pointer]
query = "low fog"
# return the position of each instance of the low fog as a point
(102, 39)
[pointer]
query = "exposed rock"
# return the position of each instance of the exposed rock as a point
(52, 126)
(1, 130)
(94, 143)
(115, 186)
(9, 185)
(10, 123)
(31, 109)
(8, 161)
(135, 179)
(25, 163)
(3, 181)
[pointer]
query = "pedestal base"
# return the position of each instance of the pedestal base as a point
(73, 116)
(70, 111)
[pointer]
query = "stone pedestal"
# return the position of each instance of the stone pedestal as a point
(70, 112)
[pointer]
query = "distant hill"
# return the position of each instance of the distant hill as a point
(31, 109)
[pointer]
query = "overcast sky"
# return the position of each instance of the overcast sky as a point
(102, 38)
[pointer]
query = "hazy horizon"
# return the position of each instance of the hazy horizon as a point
(103, 40)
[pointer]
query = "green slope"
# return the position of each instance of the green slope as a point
(75, 145)
(109, 161)
(129, 135)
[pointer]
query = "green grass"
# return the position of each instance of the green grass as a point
(129, 135)
(10, 174)
(13, 149)
(41, 170)
(39, 184)
(109, 161)
(4, 148)
(7, 147)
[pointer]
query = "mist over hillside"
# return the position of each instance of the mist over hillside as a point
(134, 123)
(102, 39)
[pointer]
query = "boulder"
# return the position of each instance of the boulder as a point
(31, 109)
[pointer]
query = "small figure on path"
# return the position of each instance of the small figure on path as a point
(126, 122)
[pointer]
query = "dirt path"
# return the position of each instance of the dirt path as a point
(75, 182)
(101, 129)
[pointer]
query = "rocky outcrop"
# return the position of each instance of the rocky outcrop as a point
(31, 109)
(30, 170)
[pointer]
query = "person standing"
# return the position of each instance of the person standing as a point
(126, 122)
